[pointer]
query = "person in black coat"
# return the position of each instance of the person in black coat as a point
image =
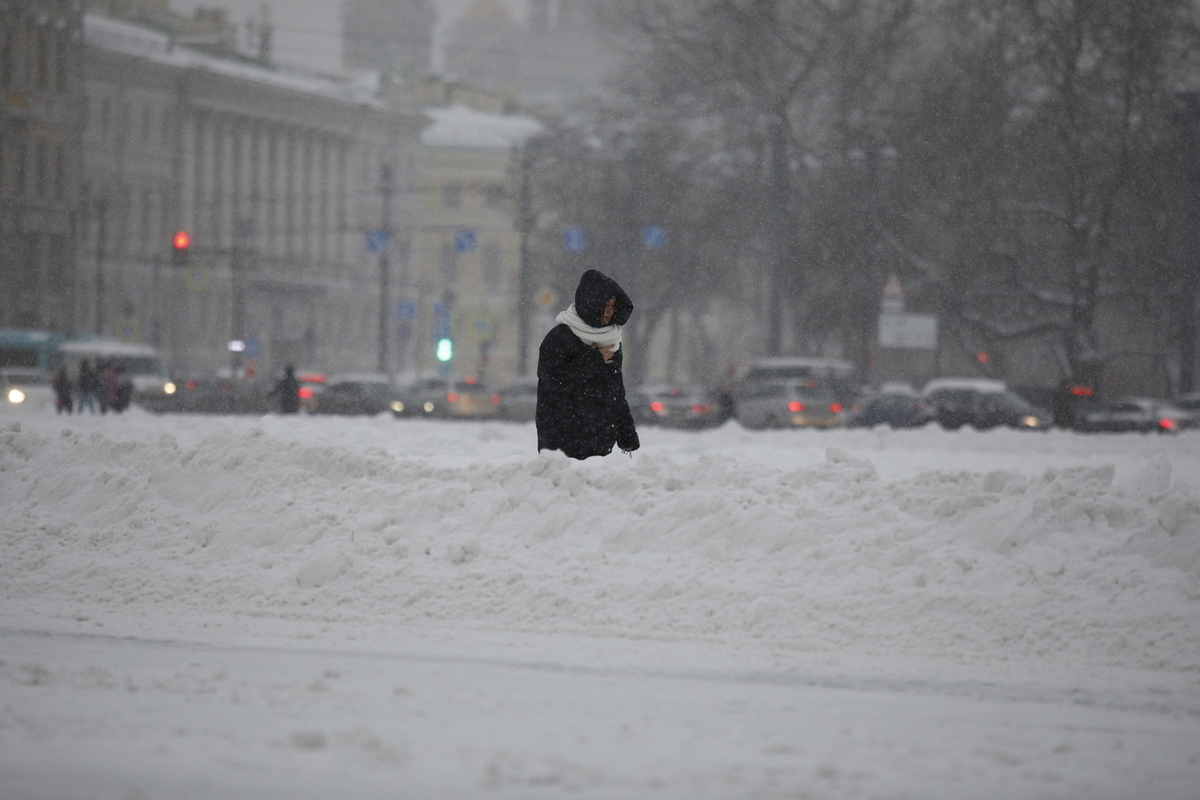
(581, 406)
(287, 389)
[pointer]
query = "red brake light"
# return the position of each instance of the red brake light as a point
(836, 408)
(1082, 391)
(495, 399)
(795, 406)
(311, 377)
(190, 385)
(656, 407)
(452, 397)
(304, 393)
(470, 381)
(1167, 424)
(700, 409)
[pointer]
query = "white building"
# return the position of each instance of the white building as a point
(277, 177)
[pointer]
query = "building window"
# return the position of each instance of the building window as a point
(63, 62)
(60, 172)
(19, 155)
(493, 196)
(45, 49)
(493, 267)
(451, 196)
(449, 263)
(147, 123)
(39, 169)
(3, 166)
(105, 114)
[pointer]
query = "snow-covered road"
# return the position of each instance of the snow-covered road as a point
(206, 607)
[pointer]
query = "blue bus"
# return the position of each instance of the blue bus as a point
(30, 349)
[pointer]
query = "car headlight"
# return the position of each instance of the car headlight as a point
(169, 388)
(397, 406)
(16, 396)
(1030, 421)
(428, 406)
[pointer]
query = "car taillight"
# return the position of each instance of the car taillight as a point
(836, 408)
(1167, 424)
(191, 385)
(495, 399)
(795, 406)
(304, 393)
(700, 409)
(656, 407)
(451, 397)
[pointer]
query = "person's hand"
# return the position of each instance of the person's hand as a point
(607, 353)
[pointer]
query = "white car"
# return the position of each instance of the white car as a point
(21, 387)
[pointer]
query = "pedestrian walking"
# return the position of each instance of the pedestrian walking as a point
(287, 389)
(89, 386)
(61, 383)
(581, 405)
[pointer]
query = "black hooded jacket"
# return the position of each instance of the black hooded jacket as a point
(581, 406)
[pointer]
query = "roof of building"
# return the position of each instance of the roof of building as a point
(459, 126)
(113, 35)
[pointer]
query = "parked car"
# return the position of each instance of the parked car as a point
(1131, 414)
(367, 393)
(982, 404)
(804, 403)
(24, 387)
(1189, 404)
(691, 407)
(518, 401)
(449, 398)
(312, 383)
(896, 407)
(216, 395)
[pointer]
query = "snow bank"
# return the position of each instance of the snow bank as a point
(1049, 550)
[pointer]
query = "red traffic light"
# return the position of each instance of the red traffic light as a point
(182, 240)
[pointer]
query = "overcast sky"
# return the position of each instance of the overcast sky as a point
(308, 32)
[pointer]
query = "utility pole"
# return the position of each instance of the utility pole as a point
(385, 189)
(241, 228)
(778, 195)
(525, 224)
(101, 205)
(1189, 118)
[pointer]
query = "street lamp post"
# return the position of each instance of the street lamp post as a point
(1185, 310)
(385, 189)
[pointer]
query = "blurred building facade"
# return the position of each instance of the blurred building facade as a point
(559, 55)
(276, 176)
(39, 93)
(391, 36)
(468, 264)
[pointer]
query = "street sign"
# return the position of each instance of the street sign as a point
(406, 311)
(253, 347)
(128, 329)
(197, 278)
(377, 241)
(908, 331)
(575, 240)
(654, 237)
(482, 328)
(464, 241)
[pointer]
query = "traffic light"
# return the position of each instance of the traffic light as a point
(445, 349)
(180, 245)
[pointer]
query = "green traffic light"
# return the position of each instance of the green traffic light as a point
(445, 350)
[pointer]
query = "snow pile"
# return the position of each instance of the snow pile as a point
(795, 541)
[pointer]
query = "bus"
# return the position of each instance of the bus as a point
(29, 349)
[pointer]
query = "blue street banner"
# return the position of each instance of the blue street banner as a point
(377, 241)
(406, 311)
(253, 347)
(575, 240)
(654, 237)
(464, 241)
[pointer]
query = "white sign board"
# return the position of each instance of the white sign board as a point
(908, 331)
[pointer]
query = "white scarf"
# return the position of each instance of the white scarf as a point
(601, 337)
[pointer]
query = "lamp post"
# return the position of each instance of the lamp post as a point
(1188, 116)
